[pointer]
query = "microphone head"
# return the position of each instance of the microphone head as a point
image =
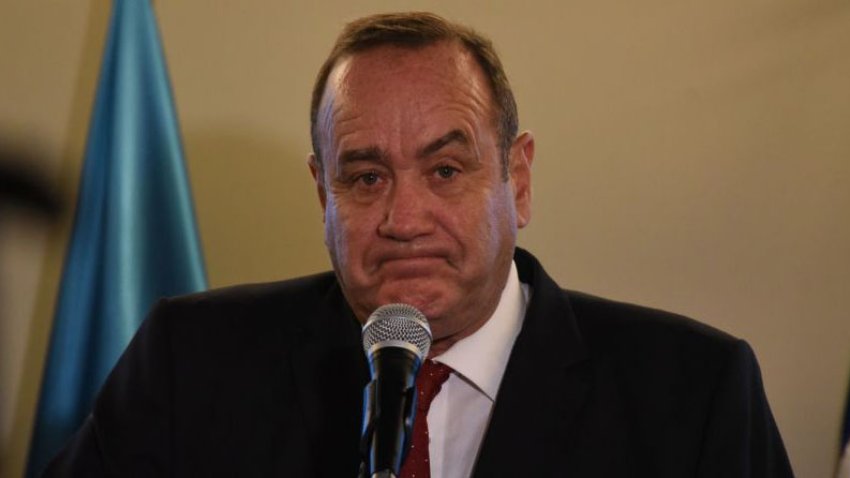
(397, 325)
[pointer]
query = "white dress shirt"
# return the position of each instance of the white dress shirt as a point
(461, 410)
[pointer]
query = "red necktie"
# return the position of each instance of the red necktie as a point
(428, 384)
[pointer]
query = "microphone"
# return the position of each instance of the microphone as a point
(396, 339)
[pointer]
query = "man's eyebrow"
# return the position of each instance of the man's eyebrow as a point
(453, 136)
(372, 153)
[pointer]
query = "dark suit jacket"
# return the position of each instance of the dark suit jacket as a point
(267, 380)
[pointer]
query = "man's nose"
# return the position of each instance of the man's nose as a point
(408, 214)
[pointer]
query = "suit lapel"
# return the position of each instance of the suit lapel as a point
(330, 371)
(544, 387)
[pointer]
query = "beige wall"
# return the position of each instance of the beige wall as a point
(692, 156)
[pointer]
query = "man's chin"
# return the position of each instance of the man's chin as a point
(431, 302)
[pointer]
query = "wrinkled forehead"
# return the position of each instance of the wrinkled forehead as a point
(442, 72)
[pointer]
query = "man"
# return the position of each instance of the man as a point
(424, 182)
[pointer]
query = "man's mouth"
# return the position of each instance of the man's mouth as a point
(418, 263)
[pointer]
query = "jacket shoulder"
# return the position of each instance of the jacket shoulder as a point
(300, 288)
(606, 323)
(250, 310)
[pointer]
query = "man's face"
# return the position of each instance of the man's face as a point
(416, 208)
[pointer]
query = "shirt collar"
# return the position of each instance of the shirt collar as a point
(481, 358)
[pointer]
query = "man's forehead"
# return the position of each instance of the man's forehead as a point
(363, 71)
(437, 74)
(441, 53)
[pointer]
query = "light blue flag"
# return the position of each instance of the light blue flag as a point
(134, 237)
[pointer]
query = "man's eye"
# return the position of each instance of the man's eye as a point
(369, 179)
(446, 172)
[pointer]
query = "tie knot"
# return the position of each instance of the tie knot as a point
(431, 377)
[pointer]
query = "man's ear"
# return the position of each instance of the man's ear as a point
(319, 178)
(519, 169)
